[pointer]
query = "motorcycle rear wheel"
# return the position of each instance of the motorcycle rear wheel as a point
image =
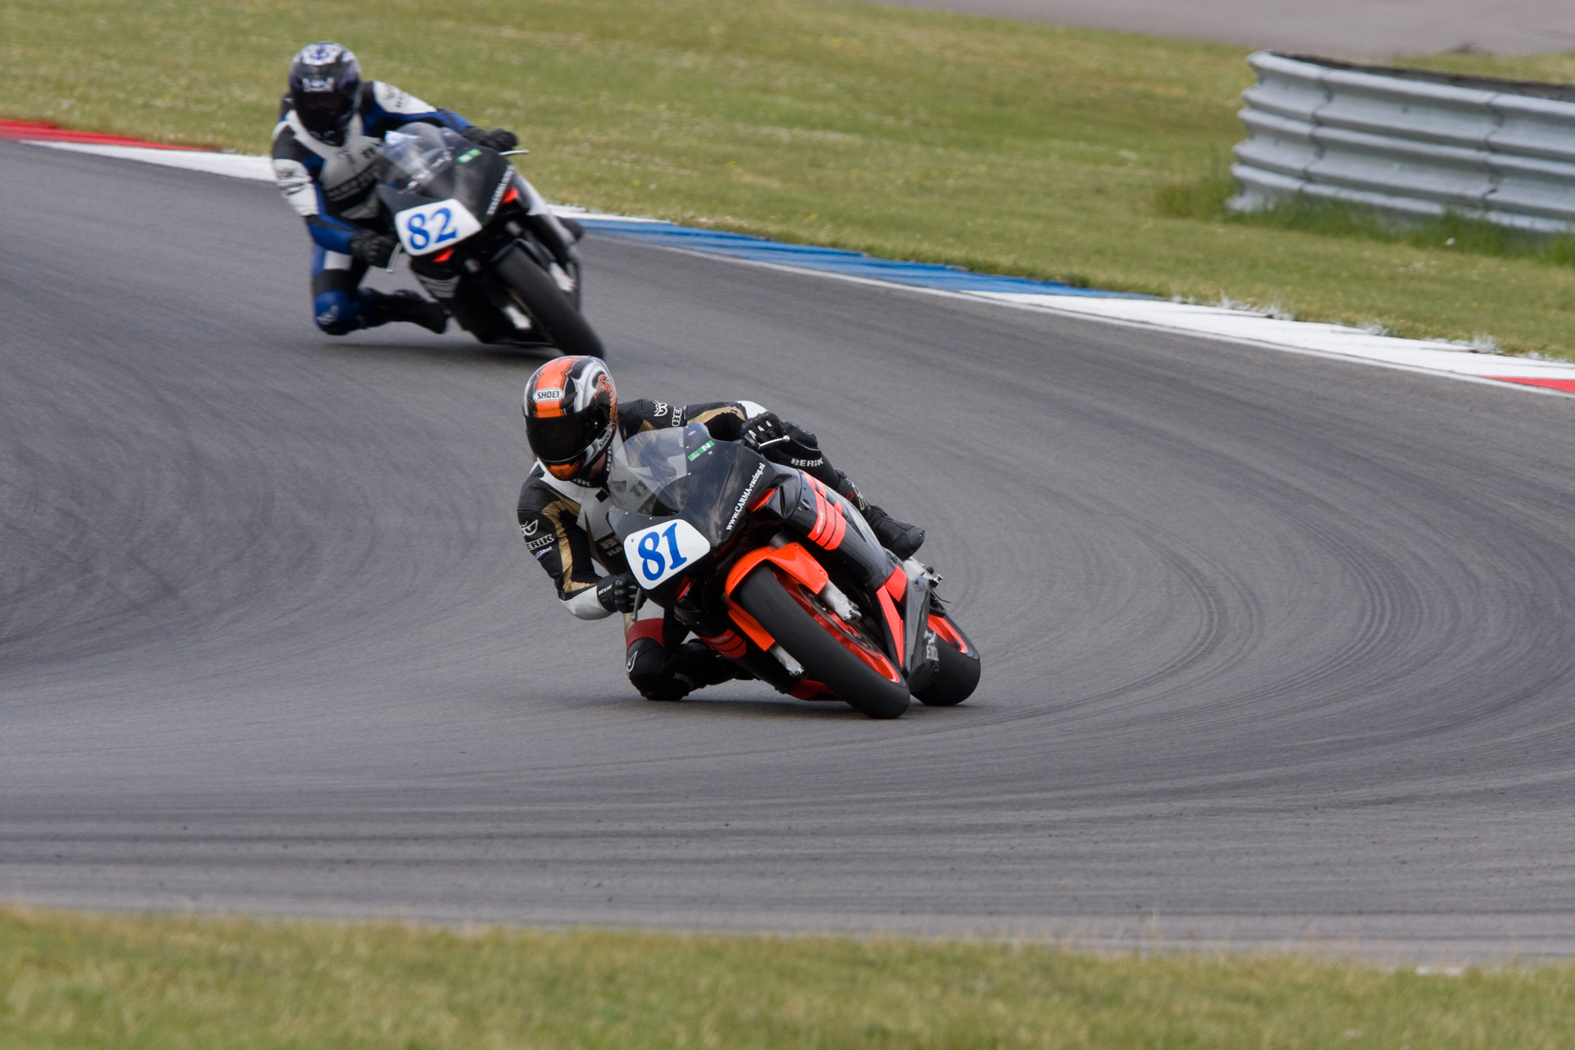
(564, 326)
(960, 667)
(826, 659)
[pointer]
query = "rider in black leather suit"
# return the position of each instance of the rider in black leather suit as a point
(572, 412)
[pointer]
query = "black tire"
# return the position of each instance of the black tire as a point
(563, 325)
(825, 659)
(959, 675)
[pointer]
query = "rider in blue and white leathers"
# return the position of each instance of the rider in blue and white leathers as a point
(326, 146)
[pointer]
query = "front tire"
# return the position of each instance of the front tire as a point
(562, 324)
(826, 659)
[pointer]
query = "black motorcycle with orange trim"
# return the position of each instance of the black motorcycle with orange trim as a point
(783, 576)
(483, 241)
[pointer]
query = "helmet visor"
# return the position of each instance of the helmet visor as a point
(321, 109)
(564, 439)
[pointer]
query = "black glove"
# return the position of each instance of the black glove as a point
(762, 430)
(786, 443)
(497, 138)
(801, 450)
(374, 249)
(618, 593)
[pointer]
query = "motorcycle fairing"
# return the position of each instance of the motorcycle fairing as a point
(792, 559)
(725, 490)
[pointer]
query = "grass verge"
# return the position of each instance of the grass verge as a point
(1007, 147)
(69, 980)
(1206, 200)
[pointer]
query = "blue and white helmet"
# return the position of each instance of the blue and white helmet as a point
(325, 85)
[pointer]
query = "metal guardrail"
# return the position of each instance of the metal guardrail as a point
(1408, 143)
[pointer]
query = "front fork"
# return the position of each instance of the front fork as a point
(547, 229)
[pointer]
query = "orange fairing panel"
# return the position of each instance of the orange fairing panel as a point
(896, 585)
(791, 558)
(893, 618)
(751, 627)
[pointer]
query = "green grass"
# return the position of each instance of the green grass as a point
(1206, 199)
(163, 983)
(1007, 147)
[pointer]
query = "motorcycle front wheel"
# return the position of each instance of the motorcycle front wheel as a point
(832, 653)
(547, 304)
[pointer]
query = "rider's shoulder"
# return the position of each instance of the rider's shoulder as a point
(536, 493)
(392, 101)
(648, 414)
(533, 494)
(286, 146)
(722, 418)
(541, 490)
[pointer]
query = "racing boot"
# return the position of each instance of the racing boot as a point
(899, 537)
(697, 665)
(379, 308)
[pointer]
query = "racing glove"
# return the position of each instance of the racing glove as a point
(785, 443)
(374, 249)
(497, 138)
(618, 593)
(762, 431)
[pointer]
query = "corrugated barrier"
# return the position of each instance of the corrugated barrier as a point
(1407, 142)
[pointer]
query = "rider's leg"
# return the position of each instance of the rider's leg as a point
(662, 666)
(340, 305)
(650, 639)
(899, 537)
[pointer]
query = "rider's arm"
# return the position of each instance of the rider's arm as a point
(723, 419)
(550, 527)
(392, 107)
(295, 172)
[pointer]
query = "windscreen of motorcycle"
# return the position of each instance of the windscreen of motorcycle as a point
(689, 474)
(414, 157)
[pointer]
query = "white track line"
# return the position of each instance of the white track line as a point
(1236, 326)
(235, 165)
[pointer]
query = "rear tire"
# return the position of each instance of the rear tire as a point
(562, 324)
(825, 659)
(959, 675)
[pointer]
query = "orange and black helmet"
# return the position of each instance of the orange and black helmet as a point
(571, 414)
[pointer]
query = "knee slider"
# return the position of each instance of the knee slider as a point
(646, 662)
(336, 313)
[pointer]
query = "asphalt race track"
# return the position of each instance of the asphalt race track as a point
(1278, 650)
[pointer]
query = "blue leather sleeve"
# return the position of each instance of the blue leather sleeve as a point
(453, 120)
(331, 234)
(380, 122)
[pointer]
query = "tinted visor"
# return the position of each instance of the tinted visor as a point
(321, 109)
(562, 439)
